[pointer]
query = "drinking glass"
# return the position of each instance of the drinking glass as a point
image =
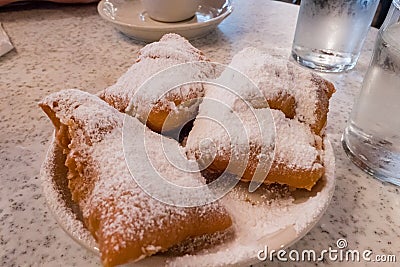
(372, 136)
(330, 34)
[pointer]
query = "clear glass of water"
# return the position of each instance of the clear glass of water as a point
(372, 136)
(330, 34)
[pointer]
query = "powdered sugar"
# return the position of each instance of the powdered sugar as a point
(172, 46)
(117, 209)
(265, 217)
(275, 76)
(256, 222)
(131, 87)
(229, 124)
(226, 119)
(295, 143)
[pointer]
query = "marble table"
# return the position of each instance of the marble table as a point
(58, 47)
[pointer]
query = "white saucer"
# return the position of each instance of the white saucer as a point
(130, 18)
(256, 225)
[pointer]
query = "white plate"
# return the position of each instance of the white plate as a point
(130, 18)
(256, 224)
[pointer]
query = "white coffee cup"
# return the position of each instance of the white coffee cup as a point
(170, 10)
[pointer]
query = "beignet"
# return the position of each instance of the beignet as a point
(297, 160)
(296, 91)
(153, 105)
(127, 224)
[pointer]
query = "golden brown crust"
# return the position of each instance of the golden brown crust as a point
(160, 114)
(324, 93)
(119, 102)
(279, 172)
(81, 175)
(285, 103)
(167, 234)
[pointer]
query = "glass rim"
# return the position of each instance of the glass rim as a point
(396, 3)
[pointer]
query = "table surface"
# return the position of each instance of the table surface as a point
(72, 47)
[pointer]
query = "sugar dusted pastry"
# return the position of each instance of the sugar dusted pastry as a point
(298, 158)
(127, 223)
(297, 92)
(297, 161)
(153, 105)
(299, 102)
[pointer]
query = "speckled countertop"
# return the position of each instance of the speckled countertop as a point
(72, 47)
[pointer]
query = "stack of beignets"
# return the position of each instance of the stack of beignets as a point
(126, 223)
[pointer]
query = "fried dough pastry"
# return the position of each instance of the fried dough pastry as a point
(297, 161)
(153, 105)
(298, 156)
(297, 92)
(127, 224)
